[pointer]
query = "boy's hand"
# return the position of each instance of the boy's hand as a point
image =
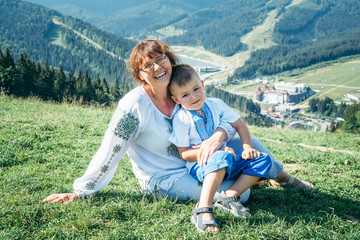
(229, 150)
(250, 153)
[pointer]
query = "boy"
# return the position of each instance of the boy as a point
(194, 123)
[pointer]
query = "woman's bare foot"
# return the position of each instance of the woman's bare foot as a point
(288, 180)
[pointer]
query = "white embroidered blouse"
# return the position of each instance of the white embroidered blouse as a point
(139, 129)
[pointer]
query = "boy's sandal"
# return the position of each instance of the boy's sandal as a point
(203, 225)
(290, 182)
(232, 205)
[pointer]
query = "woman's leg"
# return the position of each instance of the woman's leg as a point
(276, 172)
(186, 188)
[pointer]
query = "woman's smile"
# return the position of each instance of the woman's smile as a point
(160, 76)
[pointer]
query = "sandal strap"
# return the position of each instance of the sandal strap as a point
(288, 182)
(202, 210)
(291, 180)
(226, 201)
(207, 223)
(230, 204)
(197, 220)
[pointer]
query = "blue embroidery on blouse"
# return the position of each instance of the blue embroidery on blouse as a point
(169, 122)
(204, 126)
(104, 169)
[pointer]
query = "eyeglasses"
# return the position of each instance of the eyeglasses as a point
(150, 66)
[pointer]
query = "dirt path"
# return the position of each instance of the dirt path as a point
(324, 149)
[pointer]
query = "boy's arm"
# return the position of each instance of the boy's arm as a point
(244, 133)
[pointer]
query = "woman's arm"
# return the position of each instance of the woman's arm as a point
(120, 134)
(210, 145)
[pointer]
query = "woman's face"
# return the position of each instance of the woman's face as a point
(160, 73)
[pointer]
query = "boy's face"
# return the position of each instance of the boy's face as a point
(190, 96)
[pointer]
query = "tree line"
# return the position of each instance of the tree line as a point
(288, 57)
(26, 78)
(242, 104)
(327, 107)
(352, 119)
(350, 113)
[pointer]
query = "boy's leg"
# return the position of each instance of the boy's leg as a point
(249, 172)
(276, 172)
(241, 185)
(210, 185)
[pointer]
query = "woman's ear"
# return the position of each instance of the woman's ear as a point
(140, 77)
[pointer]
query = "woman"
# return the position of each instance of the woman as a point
(141, 126)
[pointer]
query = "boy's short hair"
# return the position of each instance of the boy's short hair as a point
(181, 74)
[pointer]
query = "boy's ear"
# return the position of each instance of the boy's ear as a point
(174, 99)
(203, 84)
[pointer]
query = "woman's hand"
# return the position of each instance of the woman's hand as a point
(62, 198)
(250, 153)
(210, 145)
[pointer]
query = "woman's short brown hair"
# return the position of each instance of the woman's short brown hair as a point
(148, 48)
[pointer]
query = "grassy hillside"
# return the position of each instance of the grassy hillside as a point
(45, 146)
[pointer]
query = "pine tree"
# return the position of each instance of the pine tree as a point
(104, 85)
(125, 88)
(8, 60)
(70, 90)
(46, 82)
(26, 69)
(88, 90)
(8, 75)
(59, 84)
(115, 91)
(78, 85)
(1, 59)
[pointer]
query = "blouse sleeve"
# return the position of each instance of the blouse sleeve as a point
(121, 132)
(180, 135)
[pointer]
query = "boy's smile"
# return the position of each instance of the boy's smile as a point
(190, 96)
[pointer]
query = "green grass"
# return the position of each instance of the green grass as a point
(332, 79)
(45, 146)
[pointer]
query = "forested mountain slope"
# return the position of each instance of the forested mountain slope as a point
(307, 33)
(127, 18)
(46, 35)
(219, 29)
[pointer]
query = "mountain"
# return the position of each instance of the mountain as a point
(220, 28)
(307, 33)
(300, 33)
(47, 35)
(127, 18)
